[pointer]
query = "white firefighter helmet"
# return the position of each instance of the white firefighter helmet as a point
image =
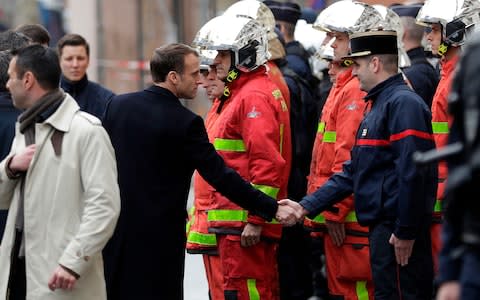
(206, 58)
(199, 42)
(256, 10)
(391, 21)
(245, 37)
(201, 37)
(457, 18)
(325, 52)
(347, 16)
(310, 38)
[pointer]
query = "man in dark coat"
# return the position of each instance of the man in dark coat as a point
(9, 40)
(8, 116)
(74, 53)
(159, 143)
(421, 74)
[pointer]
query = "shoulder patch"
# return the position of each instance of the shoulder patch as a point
(352, 106)
(90, 118)
(364, 132)
(277, 94)
(253, 114)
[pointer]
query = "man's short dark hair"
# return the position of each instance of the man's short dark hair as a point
(169, 58)
(11, 40)
(5, 57)
(72, 39)
(289, 29)
(36, 32)
(390, 62)
(42, 62)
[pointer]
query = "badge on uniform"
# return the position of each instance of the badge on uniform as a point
(254, 114)
(364, 132)
(352, 106)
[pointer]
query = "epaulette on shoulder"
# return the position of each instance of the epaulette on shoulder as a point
(90, 118)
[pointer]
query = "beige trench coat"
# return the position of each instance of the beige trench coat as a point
(72, 203)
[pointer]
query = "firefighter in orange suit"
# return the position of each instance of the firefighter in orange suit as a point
(198, 238)
(252, 135)
(447, 25)
(345, 241)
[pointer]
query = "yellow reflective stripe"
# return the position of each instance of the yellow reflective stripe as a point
(440, 127)
(438, 206)
(330, 136)
(252, 289)
(282, 129)
(206, 239)
(321, 127)
(266, 189)
(227, 215)
(361, 289)
(231, 215)
(351, 217)
(319, 219)
(229, 145)
(191, 213)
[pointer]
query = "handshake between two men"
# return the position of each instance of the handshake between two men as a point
(290, 212)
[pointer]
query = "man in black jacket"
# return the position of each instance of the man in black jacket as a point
(74, 53)
(9, 40)
(159, 143)
(421, 74)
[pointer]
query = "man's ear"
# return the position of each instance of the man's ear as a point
(28, 80)
(375, 63)
(173, 77)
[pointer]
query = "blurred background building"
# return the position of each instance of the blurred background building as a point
(123, 33)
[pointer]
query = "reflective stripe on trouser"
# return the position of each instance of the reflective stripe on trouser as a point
(438, 206)
(250, 273)
(348, 268)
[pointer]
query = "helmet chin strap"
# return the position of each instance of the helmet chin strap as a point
(443, 48)
(233, 74)
(346, 63)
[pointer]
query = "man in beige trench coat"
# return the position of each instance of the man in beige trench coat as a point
(61, 170)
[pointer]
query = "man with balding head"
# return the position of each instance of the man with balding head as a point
(422, 76)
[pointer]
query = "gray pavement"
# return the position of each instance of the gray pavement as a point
(195, 283)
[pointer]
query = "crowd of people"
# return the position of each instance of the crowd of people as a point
(352, 185)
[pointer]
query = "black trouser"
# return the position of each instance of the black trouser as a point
(469, 279)
(294, 258)
(17, 284)
(392, 282)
